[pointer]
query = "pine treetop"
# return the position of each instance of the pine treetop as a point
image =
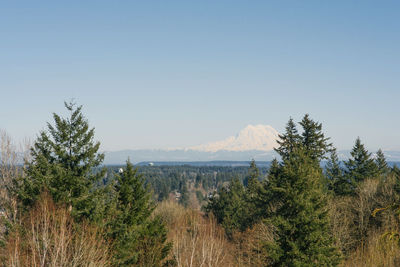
(289, 140)
(251, 180)
(360, 166)
(381, 163)
(313, 139)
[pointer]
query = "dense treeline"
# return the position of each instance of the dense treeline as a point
(64, 208)
(165, 179)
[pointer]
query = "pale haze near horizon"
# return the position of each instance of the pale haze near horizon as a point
(179, 74)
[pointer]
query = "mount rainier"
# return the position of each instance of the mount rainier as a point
(253, 137)
(253, 141)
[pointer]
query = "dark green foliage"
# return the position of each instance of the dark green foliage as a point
(299, 215)
(292, 200)
(313, 139)
(289, 140)
(199, 180)
(337, 182)
(333, 171)
(274, 169)
(252, 176)
(169, 178)
(184, 200)
(235, 206)
(138, 239)
(263, 197)
(360, 166)
(381, 163)
(63, 160)
(228, 206)
(395, 170)
(163, 192)
(251, 195)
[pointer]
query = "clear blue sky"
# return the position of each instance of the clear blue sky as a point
(160, 74)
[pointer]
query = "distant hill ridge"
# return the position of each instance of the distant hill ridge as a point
(252, 137)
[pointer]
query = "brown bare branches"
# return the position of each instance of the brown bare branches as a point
(48, 236)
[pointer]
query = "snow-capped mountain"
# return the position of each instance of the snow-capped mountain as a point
(252, 142)
(252, 137)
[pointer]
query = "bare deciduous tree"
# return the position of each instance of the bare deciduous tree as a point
(48, 236)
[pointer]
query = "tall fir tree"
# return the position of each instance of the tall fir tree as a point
(299, 215)
(63, 162)
(313, 139)
(360, 165)
(288, 141)
(138, 239)
(381, 163)
(293, 201)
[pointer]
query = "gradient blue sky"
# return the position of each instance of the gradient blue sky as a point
(157, 74)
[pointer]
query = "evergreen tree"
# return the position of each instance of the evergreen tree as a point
(252, 176)
(274, 169)
(313, 139)
(63, 161)
(381, 163)
(251, 195)
(289, 140)
(235, 207)
(360, 166)
(184, 200)
(138, 239)
(395, 170)
(264, 196)
(299, 215)
(228, 207)
(164, 192)
(293, 202)
(336, 180)
(198, 180)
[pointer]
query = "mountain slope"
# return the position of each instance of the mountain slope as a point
(253, 137)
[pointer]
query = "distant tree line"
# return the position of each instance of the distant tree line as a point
(166, 179)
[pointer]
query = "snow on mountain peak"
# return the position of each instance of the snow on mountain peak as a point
(252, 137)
